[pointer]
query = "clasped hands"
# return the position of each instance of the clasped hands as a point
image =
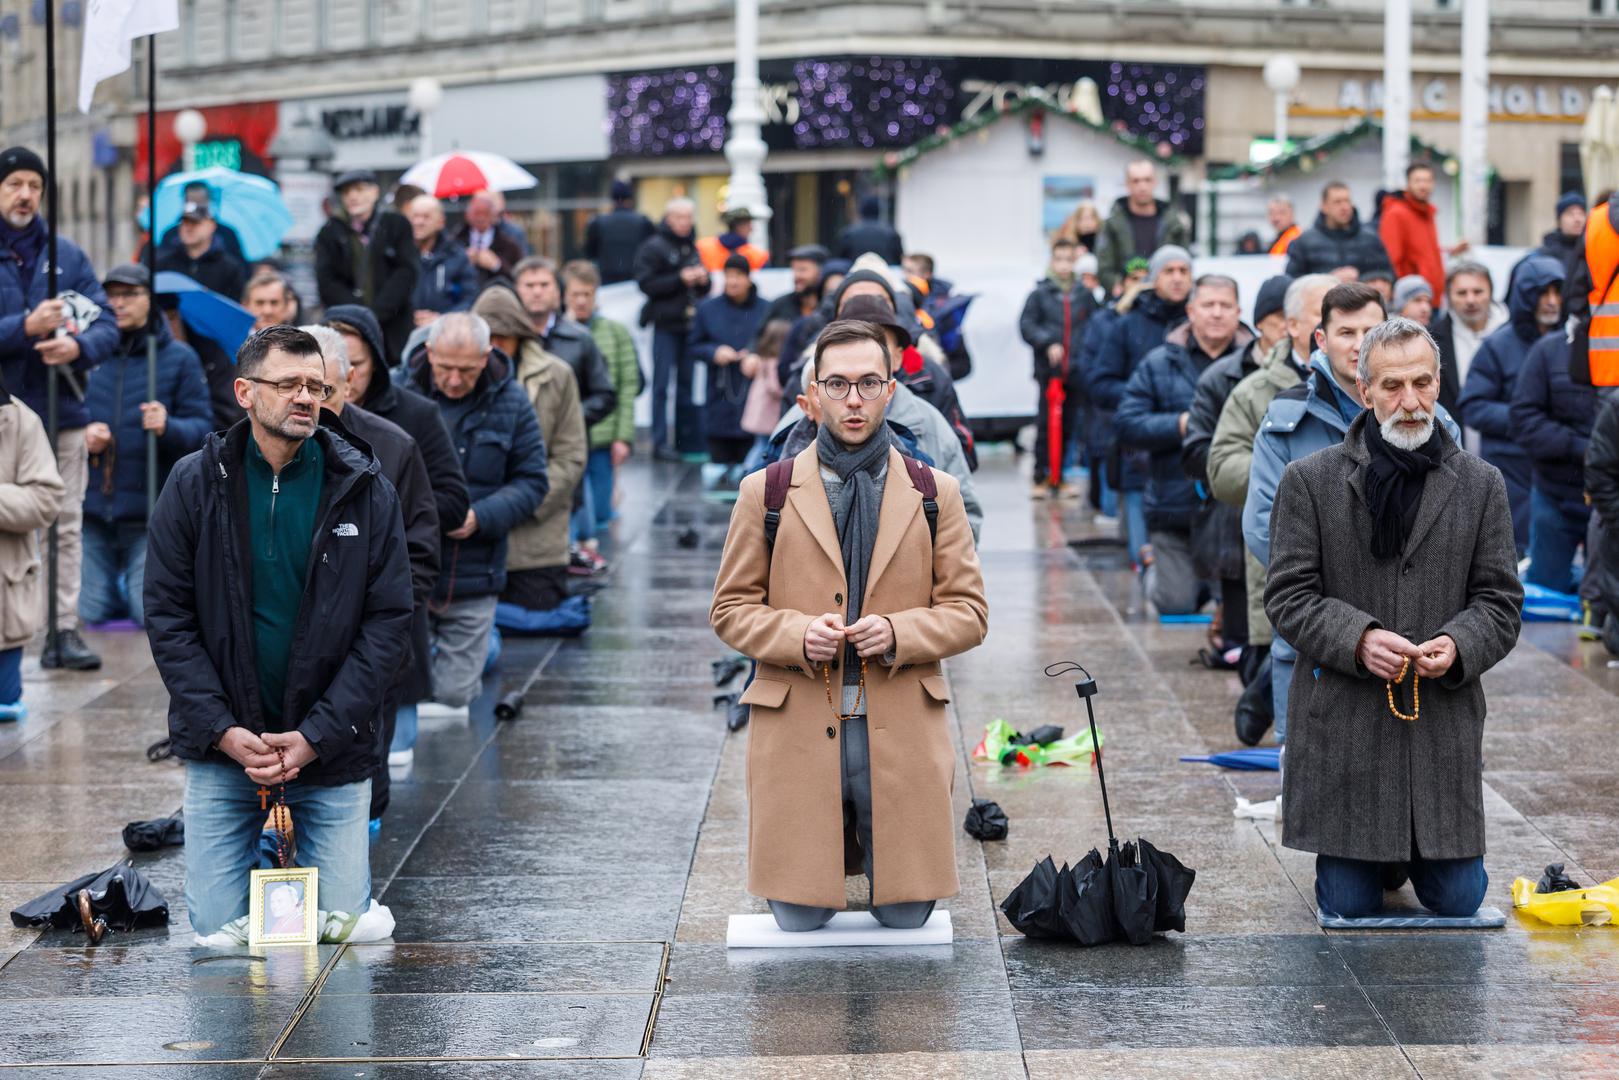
(825, 637)
(258, 754)
(1384, 653)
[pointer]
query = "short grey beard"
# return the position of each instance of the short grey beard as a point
(1395, 436)
(20, 219)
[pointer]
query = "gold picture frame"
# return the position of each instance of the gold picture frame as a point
(284, 907)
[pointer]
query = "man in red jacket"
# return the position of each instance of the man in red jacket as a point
(1408, 231)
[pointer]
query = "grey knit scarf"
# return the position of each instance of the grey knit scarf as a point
(856, 508)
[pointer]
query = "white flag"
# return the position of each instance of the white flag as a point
(109, 28)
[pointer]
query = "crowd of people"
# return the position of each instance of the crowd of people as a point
(1185, 418)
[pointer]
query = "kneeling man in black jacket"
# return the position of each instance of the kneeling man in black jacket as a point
(278, 604)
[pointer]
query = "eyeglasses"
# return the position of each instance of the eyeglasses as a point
(838, 388)
(289, 387)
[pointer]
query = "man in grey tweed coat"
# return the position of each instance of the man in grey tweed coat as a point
(1392, 549)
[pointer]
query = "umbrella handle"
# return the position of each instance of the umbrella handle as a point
(1086, 688)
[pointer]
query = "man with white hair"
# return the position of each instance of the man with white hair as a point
(671, 275)
(1392, 563)
(492, 250)
(402, 463)
(493, 427)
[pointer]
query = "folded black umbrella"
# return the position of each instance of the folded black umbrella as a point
(155, 834)
(1555, 880)
(1135, 892)
(1040, 736)
(986, 820)
(119, 897)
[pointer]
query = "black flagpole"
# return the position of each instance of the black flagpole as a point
(152, 315)
(51, 388)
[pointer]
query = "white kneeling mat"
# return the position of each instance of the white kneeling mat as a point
(847, 928)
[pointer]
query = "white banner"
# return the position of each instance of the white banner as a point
(109, 28)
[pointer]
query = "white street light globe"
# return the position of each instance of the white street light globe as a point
(190, 127)
(425, 94)
(1281, 73)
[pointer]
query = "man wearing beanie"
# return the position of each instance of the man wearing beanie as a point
(1564, 243)
(1144, 318)
(1413, 299)
(35, 336)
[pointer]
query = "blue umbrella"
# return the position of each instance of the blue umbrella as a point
(249, 204)
(217, 318)
(1252, 759)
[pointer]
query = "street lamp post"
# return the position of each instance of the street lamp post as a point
(190, 127)
(1475, 120)
(1396, 92)
(744, 145)
(1281, 76)
(426, 94)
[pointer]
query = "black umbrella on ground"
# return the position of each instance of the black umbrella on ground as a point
(1136, 892)
(119, 898)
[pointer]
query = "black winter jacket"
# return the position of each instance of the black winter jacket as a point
(1602, 481)
(1041, 325)
(1553, 416)
(855, 240)
(353, 631)
(1323, 248)
(1217, 545)
(670, 302)
(598, 396)
(612, 239)
(395, 267)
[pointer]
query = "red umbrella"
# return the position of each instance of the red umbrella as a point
(464, 172)
(1056, 394)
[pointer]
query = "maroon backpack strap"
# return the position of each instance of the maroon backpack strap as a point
(778, 478)
(923, 480)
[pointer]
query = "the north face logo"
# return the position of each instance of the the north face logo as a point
(347, 528)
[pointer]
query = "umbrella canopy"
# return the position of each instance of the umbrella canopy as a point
(1136, 892)
(464, 172)
(120, 896)
(1251, 759)
(251, 205)
(217, 318)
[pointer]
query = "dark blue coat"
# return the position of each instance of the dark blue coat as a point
(503, 456)
(1160, 389)
(449, 281)
(720, 321)
(1553, 416)
(1129, 338)
(21, 369)
(114, 395)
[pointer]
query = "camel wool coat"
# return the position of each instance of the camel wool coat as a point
(762, 606)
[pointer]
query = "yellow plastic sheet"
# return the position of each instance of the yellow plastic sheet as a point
(1596, 906)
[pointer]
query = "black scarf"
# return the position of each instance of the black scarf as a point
(27, 244)
(857, 507)
(1394, 482)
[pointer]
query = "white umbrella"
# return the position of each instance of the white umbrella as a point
(463, 172)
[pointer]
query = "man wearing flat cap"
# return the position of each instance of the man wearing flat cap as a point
(366, 255)
(37, 335)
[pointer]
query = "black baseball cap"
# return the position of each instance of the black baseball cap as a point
(354, 176)
(131, 274)
(815, 253)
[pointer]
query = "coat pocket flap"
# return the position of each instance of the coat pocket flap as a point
(765, 693)
(937, 688)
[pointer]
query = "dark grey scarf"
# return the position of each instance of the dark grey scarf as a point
(855, 511)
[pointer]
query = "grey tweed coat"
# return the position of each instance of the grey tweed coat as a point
(1360, 783)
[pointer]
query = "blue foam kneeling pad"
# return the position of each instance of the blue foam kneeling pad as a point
(1485, 918)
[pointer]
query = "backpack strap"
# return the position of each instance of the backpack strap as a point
(778, 478)
(923, 480)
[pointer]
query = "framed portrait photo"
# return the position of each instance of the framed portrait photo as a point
(284, 907)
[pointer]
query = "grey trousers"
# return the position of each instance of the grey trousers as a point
(460, 635)
(797, 918)
(1172, 585)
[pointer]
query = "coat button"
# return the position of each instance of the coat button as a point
(837, 598)
(834, 665)
(1407, 569)
(831, 732)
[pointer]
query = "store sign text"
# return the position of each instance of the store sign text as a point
(1079, 97)
(1505, 99)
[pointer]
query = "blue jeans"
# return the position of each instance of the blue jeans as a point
(1353, 888)
(670, 361)
(1110, 496)
(405, 724)
(114, 570)
(223, 822)
(582, 522)
(1135, 523)
(599, 473)
(1554, 536)
(11, 676)
(1283, 657)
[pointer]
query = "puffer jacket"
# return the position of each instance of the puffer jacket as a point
(1139, 329)
(1411, 239)
(21, 370)
(449, 281)
(1322, 248)
(1217, 529)
(1553, 416)
(1602, 481)
(30, 493)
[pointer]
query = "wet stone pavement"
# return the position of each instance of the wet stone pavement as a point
(562, 883)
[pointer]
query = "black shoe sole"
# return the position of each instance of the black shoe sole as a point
(53, 664)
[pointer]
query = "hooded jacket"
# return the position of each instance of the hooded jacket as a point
(117, 485)
(1323, 248)
(541, 540)
(1118, 241)
(1406, 227)
(420, 418)
(1553, 416)
(21, 369)
(1160, 389)
(352, 636)
(503, 457)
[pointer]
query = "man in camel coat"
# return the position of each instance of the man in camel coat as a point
(851, 760)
